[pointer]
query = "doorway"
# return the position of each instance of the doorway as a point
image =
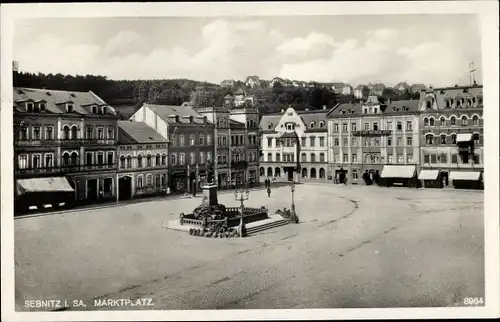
(92, 190)
(125, 188)
(289, 171)
(444, 177)
(192, 182)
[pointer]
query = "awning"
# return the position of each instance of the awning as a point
(464, 137)
(463, 175)
(428, 175)
(51, 184)
(398, 171)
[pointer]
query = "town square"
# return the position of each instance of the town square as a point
(355, 246)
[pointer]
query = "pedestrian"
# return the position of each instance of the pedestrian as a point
(269, 192)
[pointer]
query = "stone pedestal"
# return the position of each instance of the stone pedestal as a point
(209, 195)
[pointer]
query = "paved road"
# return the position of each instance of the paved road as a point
(356, 247)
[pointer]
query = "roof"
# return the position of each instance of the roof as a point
(360, 86)
(54, 100)
(378, 87)
(239, 91)
(277, 78)
(390, 108)
(306, 116)
(236, 124)
(418, 86)
(228, 96)
(254, 78)
(404, 84)
(292, 134)
(166, 111)
(137, 132)
(441, 94)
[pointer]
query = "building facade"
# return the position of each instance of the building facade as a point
(294, 145)
(68, 135)
(143, 161)
(190, 137)
(451, 130)
(366, 136)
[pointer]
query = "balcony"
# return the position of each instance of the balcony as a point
(64, 169)
(71, 142)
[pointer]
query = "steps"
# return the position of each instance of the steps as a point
(268, 225)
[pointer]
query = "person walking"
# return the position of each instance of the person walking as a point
(269, 192)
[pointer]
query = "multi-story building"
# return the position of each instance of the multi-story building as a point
(68, 135)
(252, 81)
(361, 91)
(190, 137)
(369, 135)
(143, 161)
(451, 132)
(293, 139)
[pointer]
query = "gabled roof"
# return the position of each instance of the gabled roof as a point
(404, 84)
(137, 132)
(307, 117)
(356, 108)
(239, 91)
(55, 100)
(166, 111)
(228, 96)
(254, 78)
(441, 94)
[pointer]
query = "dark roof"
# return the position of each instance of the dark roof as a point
(166, 111)
(453, 92)
(349, 109)
(55, 100)
(292, 134)
(228, 96)
(307, 117)
(137, 132)
(239, 91)
(235, 124)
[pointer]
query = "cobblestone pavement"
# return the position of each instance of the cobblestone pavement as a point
(356, 246)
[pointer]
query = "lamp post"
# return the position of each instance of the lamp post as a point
(241, 195)
(293, 214)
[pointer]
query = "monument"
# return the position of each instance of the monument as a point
(209, 187)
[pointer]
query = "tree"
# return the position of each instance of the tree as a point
(278, 89)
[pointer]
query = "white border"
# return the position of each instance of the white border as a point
(488, 18)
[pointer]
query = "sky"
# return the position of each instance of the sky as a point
(430, 49)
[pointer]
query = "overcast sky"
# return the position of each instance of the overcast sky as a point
(430, 49)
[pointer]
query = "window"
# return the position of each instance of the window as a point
(454, 158)
(36, 133)
(23, 133)
(409, 158)
(408, 126)
(100, 158)
(139, 182)
(389, 141)
(367, 142)
(399, 126)
(399, 141)
(192, 158)
(354, 158)
(111, 133)
(278, 157)
(431, 121)
(303, 141)
(453, 120)
(368, 158)
(345, 158)
(426, 158)
(69, 108)
(110, 158)
(139, 161)
(322, 141)
(389, 125)
(336, 142)
(409, 140)
(476, 158)
(321, 157)
(443, 121)
(192, 138)
(336, 158)
(475, 120)
(433, 158)
(209, 156)
(209, 139)
(49, 133)
(313, 157)
(88, 157)
(353, 127)
(400, 158)
(443, 158)
(149, 180)
(129, 161)
(182, 158)
(181, 139)
(289, 126)
(173, 159)
(367, 126)
(269, 142)
(353, 141)
(89, 132)
(345, 142)
(312, 124)
(269, 157)
(29, 107)
(475, 137)
(443, 138)
(390, 158)
(453, 139)
(375, 110)
(202, 157)
(277, 142)
(321, 124)
(365, 110)
(464, 120)
(100, 133)
(355, 174)
(312, 141)
(158, 160)
(122, 162)
(375, 126)
(344, 127)
(429, 139)
(149, 161)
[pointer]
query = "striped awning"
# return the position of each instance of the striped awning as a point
(398, 171)
(428, 175)
(464, 137)
(51, 184)
(465, 175)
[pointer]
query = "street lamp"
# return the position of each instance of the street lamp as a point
(241, 195)
(293, 214)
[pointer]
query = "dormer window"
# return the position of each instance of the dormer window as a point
(447, 103)
(365, 110)
(30, 106)
(69, 108)
(375, 110)
(428, 105)
(42, 107)
(93, 109)
(270, 126)
(342, 111)
(321, 124)
(312, 124)
(465, 90)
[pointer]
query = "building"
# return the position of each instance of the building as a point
(376, 89)
(66, 137)
(15, 66)
(294, 140)
(240, 98)
(361, 91)
(252, 81)
(367, 136)
(275, 81)
(190, 137)
(347, 89)
(143, 161)
(451, 132)
(417, 88)
(402, 87)
(227, 83)
(337, 88)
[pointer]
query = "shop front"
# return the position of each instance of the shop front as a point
(467, 180)
(42, 193)
(400, 175)
(178, 181)
(431, 178)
